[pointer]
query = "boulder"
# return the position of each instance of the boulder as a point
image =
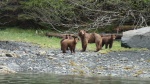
(139, 38)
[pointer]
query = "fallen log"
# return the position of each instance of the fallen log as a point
(48, 34)
(118, 36)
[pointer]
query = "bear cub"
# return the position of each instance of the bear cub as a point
(108, 40)
(71, 43)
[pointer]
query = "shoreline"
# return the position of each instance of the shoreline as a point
(25, 57)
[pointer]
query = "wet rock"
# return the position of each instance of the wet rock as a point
(139, 38)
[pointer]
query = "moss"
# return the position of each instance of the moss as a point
(148, 60)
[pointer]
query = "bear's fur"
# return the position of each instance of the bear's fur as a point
(71, 43)
(66, 37)
(108, 41)
(90, 38)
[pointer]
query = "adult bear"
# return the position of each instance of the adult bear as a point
(108, 40)
(71, 43)
(90, 38)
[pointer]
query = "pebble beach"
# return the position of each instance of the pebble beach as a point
(21, 57)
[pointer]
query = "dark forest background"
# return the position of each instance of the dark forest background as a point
(71, 15)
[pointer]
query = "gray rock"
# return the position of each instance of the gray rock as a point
(139, 38)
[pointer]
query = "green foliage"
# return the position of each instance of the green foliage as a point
(63, 12)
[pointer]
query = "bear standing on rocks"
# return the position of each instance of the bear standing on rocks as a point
(108, 40)
(66, 37)
(90, 38)
(71, 43)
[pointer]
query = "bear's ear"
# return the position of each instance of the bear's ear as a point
(76, 39)
(85, 31)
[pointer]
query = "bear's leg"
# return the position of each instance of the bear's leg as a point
(64, 50)
(98, 46)
(71, 50)
(110, 45)
(103, 44)
(67, 48)
(84, 47)
(106, 45)
(85, 43)
(74, 50)
(63, 47)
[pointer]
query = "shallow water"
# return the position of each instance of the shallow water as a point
(63, 79)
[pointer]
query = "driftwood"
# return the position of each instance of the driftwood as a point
(124, 28)
(118, 36)
(57, 35)
(48, 34)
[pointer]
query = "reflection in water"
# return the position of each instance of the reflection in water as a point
(61, 79)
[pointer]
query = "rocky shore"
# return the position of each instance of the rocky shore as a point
(20, 57)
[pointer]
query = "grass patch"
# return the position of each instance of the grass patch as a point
(117, 48)
(29, 35)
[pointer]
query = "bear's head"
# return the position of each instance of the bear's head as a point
(113, 36)
(81, 33)
(76, 39)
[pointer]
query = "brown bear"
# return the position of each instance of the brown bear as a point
(71, 43)
(108, 40)
(90, 38)
(66, 37)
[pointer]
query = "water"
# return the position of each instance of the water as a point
(61, 79)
